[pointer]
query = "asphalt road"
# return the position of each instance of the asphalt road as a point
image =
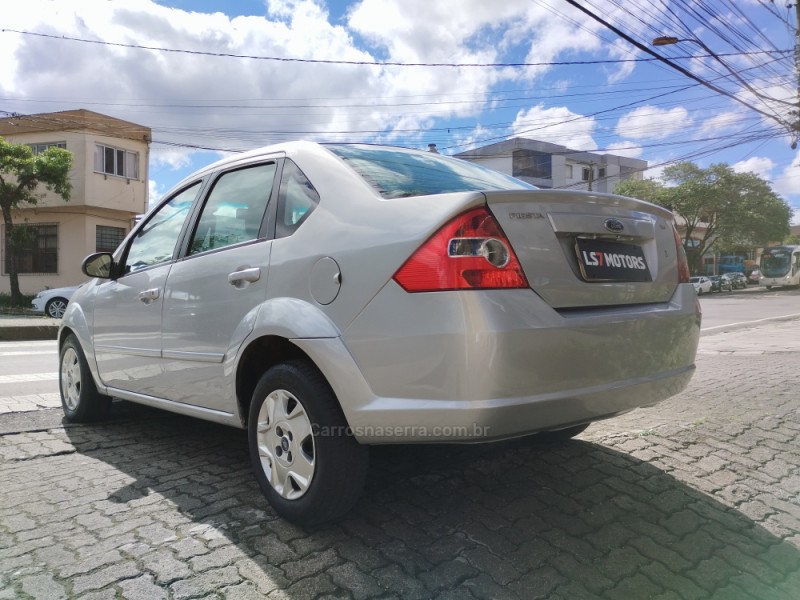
(726, 310)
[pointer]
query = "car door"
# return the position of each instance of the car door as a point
(127, 309)
(215, 289)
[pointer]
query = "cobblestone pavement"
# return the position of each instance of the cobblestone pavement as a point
(695, 498)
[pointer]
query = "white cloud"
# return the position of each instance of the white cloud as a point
(621, 49)
(154, 193)
(788, 182)
(721, 122)
(759, 165)
(651, 122)
(556, 125)
(171, 157)
(625, 148)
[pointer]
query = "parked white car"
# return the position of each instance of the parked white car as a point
(53, 302)
(702, 285)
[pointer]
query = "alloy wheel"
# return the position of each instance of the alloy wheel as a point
(286, 444)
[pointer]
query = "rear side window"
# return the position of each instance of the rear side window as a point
(234, 209)
(297, 199)
(399, 173)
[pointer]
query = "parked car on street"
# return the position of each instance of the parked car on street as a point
(737, 280)
(702, 284)
(330, 297)
(720, 283)
(754, 278)
(53, 302)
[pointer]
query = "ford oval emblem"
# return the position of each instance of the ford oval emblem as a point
(614, 225)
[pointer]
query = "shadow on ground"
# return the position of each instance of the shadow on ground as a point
(519, 519)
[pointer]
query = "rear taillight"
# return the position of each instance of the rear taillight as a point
(683, 264)
(470, 252)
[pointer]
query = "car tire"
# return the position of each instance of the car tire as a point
(80, 399)
(55, 307)
(306, 461)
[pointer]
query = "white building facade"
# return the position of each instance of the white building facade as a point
(109, 189)
(552, 166)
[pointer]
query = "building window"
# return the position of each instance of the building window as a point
(568, 171)
(115, 161)
(38, 253)
(587, 173)
(108, 238)
(601, 172)
(39, 148)
(527, 163)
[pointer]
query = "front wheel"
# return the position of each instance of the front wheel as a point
(55, 307)
(306, 461)
(80, 399)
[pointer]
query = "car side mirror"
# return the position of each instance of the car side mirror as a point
(99, 265)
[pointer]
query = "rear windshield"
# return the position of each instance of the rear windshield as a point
(399, 173)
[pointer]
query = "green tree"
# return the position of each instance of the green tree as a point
(21, 174)
(716, 206)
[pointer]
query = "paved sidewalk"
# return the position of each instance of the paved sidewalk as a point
(695, 498)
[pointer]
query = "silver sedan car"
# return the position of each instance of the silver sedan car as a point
(331, 297)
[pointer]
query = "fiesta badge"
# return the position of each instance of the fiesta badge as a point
(614, 225)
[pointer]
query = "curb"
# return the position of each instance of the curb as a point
(28, 333)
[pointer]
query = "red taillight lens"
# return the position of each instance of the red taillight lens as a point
(683, 264)
(470, 252)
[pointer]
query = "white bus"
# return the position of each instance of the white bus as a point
(780, 265)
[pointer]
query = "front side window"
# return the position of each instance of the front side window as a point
(36, 249)
(154, 243)
(116, 161)
(234, 209)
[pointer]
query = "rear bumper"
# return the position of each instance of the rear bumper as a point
(480, 366)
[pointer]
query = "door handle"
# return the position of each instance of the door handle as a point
(240, 279)
(148, 296)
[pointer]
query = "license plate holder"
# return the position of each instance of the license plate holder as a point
(603, 260)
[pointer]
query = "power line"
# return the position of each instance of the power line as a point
(677, 67)
(369, 63)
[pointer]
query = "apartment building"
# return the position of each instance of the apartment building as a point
(109, 189)
(551, 166)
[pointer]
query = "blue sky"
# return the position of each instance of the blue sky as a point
(212, 77)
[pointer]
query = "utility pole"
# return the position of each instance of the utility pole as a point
(797, 73)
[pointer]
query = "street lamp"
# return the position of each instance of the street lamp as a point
(669, 40)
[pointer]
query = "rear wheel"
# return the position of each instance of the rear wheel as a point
(306, 461)
(80, 399)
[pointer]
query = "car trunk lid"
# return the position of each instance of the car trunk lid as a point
(582, 249)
